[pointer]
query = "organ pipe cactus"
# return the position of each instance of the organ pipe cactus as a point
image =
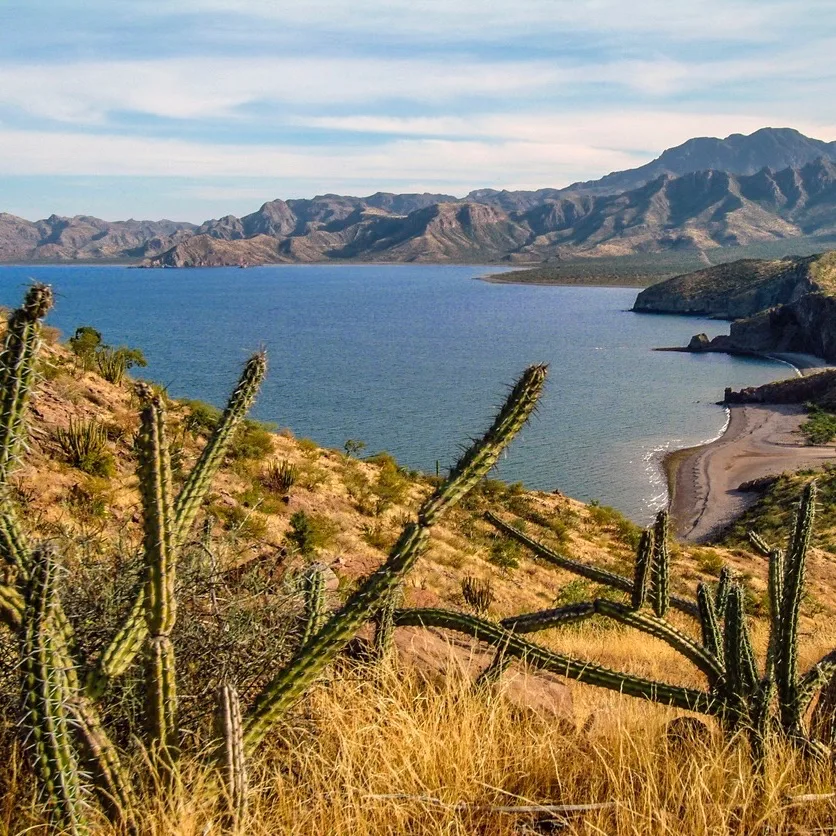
(313, 588)
(290, 683)
(738, 693)
(68, 740)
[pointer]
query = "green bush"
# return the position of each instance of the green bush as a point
(84, 444)
(820, 426)
(310, 532)
(252, 441)
(201, 418)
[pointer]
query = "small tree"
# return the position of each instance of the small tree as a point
(84, 344)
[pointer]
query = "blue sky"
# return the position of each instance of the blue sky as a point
(191, 109)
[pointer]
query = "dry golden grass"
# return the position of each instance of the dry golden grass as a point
(366, 736)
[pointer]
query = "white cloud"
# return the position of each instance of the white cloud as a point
(513, 163)
(192, 88)
(684, 20)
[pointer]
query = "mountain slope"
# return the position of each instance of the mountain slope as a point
(697, 211)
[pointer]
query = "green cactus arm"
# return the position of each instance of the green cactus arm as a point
(786, 649)
(546, 619)
(712, 638)
(587, 672)
(679, 641)
(11, 607)
(313, 586)
(14, 549)
(384, 628)
(110, 778)
(721, 594)
(291, 682)
(160, 568)
(759, 544)
(45, 717)
(120, 653)
(741, 674)
(660, 563)
(230, 756)
(17, 372)
(480, 458)
(811, 682)
(642, 568)
(198, 481)
(776, 593)
(592, 573)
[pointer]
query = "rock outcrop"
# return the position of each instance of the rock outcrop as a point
(784, 306)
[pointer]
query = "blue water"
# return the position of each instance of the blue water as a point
(413, 360)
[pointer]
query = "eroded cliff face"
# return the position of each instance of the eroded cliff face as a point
(787, 305)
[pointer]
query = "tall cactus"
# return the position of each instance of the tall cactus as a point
(17, 372)
(46, 719)
(160, 567)
(313, 589)
(644, 557)
(305, 667)
(660, 595)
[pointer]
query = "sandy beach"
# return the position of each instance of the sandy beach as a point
(761, 440)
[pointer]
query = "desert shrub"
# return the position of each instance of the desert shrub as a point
(279, 477)
(201, 417)
(708, 561)
(574, 592)
(310, 532)
(505, 554)
(353, 446)
(308, 446)
(477, 593)
(376, 535)
(255, 497)
(252, 441)
(244, 522)
(89, 500)
(83, 344)
(820, 426)
(84, 444)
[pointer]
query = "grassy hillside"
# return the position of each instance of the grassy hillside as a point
(408, 746)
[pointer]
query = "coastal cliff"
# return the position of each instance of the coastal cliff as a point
(787, 305)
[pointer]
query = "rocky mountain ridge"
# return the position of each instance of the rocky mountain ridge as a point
(707, 193)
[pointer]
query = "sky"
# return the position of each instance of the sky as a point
(193, 109)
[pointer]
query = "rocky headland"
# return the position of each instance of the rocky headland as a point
(778, 306)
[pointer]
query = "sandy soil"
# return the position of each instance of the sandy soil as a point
(761, 440)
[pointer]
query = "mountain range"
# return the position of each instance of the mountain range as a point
(773, 184)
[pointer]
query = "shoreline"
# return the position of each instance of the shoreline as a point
(759, 441)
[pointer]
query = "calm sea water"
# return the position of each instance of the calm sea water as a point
(413, 360)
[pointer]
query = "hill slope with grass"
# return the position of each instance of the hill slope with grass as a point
(408, 744)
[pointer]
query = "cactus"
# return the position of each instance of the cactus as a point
(160, 567)
(17, 372)
(290, 683)
(230, 754)
(46, 718)
(737, 693)
(660, 595)
(313, 587)
(644, 557)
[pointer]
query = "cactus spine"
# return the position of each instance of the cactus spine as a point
(303, 669)
(384, 626)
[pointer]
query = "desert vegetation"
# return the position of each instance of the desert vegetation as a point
(196, 653)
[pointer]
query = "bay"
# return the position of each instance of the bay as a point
(414, 359)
